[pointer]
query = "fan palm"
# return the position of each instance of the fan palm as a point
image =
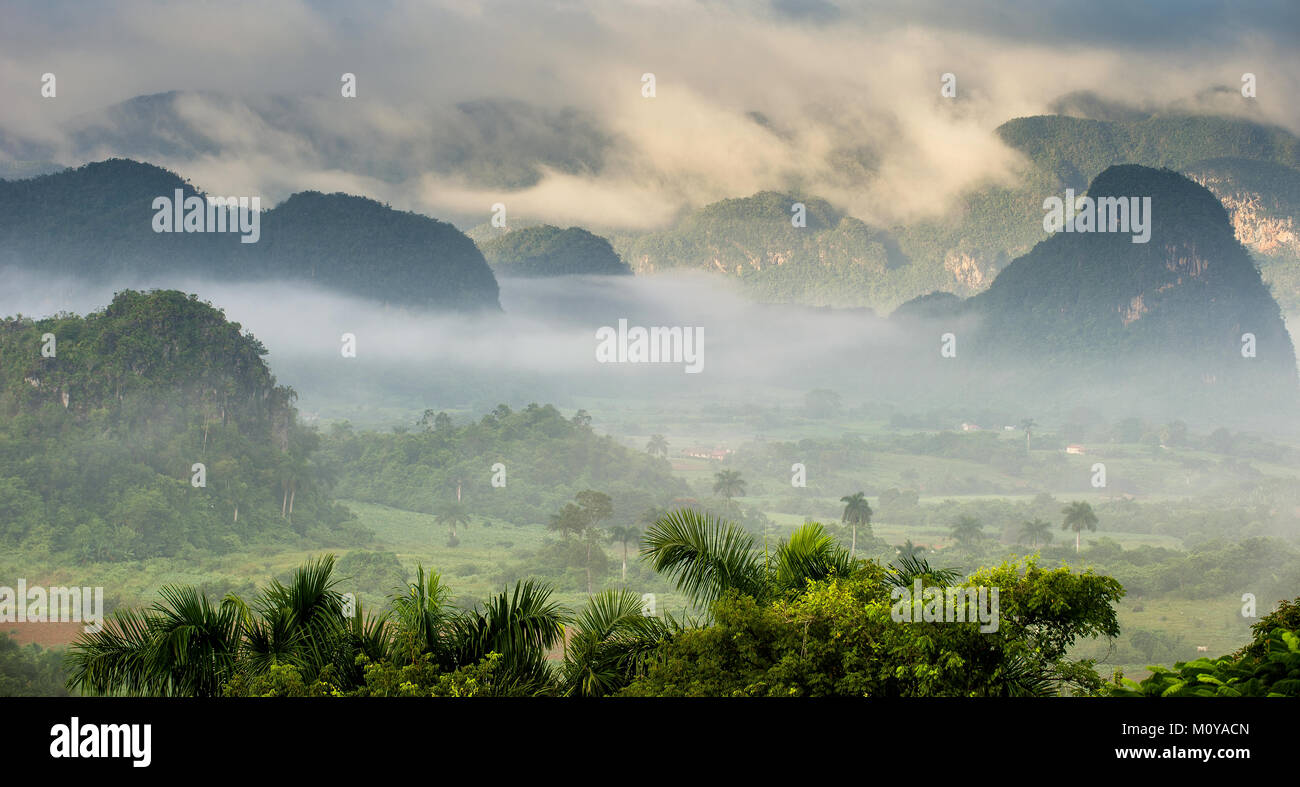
(704, 556)
(183, 645)
(300, 623)
(808, 555)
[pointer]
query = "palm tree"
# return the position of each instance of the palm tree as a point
(1036, 530)
(728, 483)
(967, 530)
(612, 643)
(1078, 517)
(856, 512)
(422, 611)
(624, 534)
(657, 445)
(809, 554)
(706, 557)
(183, 645)
(453, 515)
(521, 627)
(300, 623)
(1027, 425)
(908, 549)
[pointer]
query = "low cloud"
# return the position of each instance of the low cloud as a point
(462, 105)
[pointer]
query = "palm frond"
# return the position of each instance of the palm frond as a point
(809, 554)
(422, 616)
(704, 556)
(612, 642)
(521, 627)
(908, 568)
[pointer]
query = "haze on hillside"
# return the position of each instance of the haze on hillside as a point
(884, 358)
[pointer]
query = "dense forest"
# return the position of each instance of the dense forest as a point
(94, 224)
(550, 251)
(833, 259)
(544, 460)
(105, 418)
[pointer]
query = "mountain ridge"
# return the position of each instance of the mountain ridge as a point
(333, 240)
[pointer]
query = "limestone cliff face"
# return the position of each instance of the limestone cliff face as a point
(1260, 228)
(969, 273)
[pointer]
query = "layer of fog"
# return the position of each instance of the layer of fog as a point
(542, 347)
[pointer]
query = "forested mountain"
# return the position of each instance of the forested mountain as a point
(104, 417)
(1091, 310)
(1076, 150)
(1253, 169)
(95, 223)
(832, 260)
(835, 260)
(840, 261)
(550, 251)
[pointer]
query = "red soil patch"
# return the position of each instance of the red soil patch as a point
(47, 635)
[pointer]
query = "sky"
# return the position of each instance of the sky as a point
(539, 105)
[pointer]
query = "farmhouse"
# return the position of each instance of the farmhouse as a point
(714, 454)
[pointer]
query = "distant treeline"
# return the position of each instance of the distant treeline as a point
(544, 460)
